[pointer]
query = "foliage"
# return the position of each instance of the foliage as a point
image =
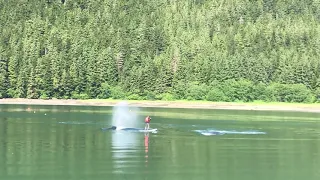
(216, 95)
(160, 50)
(317, 93)
(289, 93)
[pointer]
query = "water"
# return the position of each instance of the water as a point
(66, 143)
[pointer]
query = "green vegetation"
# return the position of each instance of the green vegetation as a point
(226, 50)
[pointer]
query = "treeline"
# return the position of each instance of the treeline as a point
(216, 50)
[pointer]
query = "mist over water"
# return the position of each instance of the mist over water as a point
(125, 116)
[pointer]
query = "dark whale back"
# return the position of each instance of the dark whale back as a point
(111, 128)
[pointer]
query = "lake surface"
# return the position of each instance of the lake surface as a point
(67, 143)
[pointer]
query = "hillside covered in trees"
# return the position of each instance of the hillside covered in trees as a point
(216, 50)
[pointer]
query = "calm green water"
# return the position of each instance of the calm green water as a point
(66, 143)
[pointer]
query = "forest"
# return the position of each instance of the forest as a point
(210, 50)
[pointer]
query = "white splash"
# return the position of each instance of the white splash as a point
(124, 116)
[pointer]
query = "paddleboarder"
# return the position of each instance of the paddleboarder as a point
(147, 121)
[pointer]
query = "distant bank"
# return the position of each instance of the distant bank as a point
(173, 104)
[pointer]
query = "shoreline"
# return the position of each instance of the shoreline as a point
(253, 106)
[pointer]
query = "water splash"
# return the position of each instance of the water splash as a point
(223, 132)
(125, 116)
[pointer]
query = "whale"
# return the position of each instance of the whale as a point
(115, 128)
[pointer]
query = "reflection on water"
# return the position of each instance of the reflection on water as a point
(124, 147)
(146, 146)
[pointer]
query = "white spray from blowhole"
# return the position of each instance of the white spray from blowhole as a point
(125, 116)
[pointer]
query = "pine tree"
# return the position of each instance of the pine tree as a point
(3, 74)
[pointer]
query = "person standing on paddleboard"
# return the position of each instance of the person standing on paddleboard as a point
(147, 121)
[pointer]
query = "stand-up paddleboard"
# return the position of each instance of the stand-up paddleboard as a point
(149, 130)
(130, 129)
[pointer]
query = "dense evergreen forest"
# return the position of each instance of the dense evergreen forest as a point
(215, 50)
